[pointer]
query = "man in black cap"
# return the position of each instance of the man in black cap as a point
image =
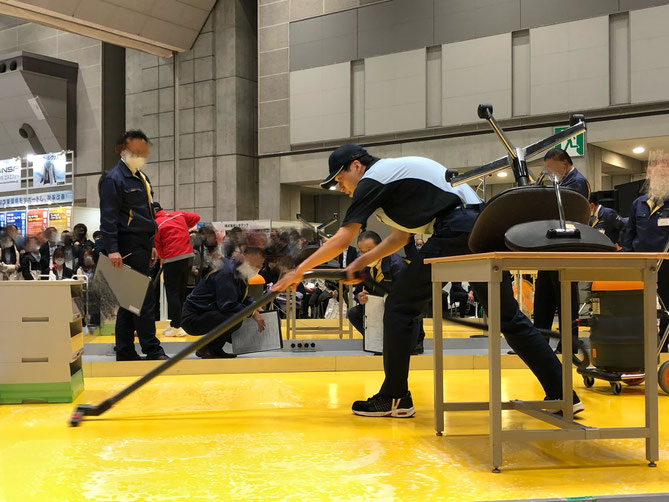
(605, 219)
(411, 195)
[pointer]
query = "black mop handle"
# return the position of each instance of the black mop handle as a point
(95, 410)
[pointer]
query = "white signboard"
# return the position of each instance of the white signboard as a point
(243, 224)
(374, 309)
(10, 174)
(37, 199)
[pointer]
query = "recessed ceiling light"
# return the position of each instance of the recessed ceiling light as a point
(333, 187)
(639, 149)
(502, 174)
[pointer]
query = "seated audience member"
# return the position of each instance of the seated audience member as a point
(80, 236)
(464, 297)
(332, 310)
(59, 271)
(206, 252)
(87, 268)
(384, 271)
(9, 258)
(50, 236)
(221, 294)
(31, 266)
(16, 237)
(87, 264)
(72, 252)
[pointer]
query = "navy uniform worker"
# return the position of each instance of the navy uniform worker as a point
(558, 165)
(219, 295)
(411, 195)
(384, 271)
(647, 228)
(605, 219)
(127, 224)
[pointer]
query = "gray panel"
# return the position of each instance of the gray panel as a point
(397, 26)
(619, 54)
(324, 40)
(535, 13)
(640, 4)
(456, 20)
(521, 73)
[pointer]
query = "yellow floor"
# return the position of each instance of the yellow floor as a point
(292, 437)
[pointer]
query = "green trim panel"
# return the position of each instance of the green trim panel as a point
(51, 392)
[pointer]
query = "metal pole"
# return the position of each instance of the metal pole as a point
(177, 152)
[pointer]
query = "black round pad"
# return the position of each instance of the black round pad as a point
(523, 205)
(532, 237)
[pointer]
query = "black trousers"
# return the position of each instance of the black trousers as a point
(202, 323)
(175, 274)
(547, 301)
(463, 299)
(412, 290)
(128, 323)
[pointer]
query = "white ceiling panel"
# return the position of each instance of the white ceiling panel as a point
(156, 26)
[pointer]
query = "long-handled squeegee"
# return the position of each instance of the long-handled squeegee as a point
(94, 410)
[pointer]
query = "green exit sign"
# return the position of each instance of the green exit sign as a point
(575, 146)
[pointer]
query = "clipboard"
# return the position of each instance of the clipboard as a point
(128, 286)
(248, 339)
(374, 309)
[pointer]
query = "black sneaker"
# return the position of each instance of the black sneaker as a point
(207, 352)
(158, 357)
(128, 357)
(576, 409)
(383, 406)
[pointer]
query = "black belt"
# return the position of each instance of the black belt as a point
(473, 206)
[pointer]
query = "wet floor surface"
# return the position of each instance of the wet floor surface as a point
(291, 436)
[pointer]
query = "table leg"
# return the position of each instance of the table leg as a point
(565, 332)
(495, 372)
(288, 316)
(438, 359)
(650, 362)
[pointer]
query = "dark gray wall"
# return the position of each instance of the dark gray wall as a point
(113, 102)
(403, 25)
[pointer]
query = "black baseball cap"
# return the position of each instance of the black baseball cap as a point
(341, 158)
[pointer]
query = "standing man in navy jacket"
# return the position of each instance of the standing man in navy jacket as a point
(647, 229)
(127, 224)
(558, 165)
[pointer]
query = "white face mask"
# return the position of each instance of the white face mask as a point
(59, 261)
(246, 270)
(134, 162)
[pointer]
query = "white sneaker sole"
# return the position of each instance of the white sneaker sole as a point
(578, 408)
(399, 413)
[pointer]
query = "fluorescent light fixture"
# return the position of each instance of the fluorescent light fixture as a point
(639, 149)
(502, 174)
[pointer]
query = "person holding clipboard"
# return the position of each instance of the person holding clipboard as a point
(128, 226)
